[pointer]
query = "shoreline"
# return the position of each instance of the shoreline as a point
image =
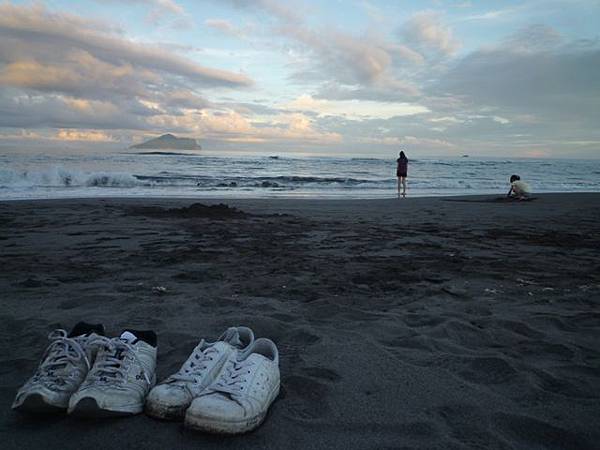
(289, 198)
(349, 208)
(422, 322)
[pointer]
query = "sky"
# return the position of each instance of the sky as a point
(331, 77)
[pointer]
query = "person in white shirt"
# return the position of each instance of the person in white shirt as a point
(518, 188)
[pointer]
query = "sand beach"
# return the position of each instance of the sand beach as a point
(423, 323)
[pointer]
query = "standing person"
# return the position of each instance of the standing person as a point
(401, 173)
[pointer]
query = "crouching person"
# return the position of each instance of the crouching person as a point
(518, 188)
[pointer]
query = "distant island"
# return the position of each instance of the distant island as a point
(169, 142)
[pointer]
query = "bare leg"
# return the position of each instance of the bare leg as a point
(399, 186)
(403, 186)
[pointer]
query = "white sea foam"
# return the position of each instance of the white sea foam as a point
(61, 177)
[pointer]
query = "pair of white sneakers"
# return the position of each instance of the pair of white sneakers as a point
(88, 374)
(226, 386)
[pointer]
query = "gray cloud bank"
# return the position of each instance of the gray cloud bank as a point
(536, 89)
(533, 92)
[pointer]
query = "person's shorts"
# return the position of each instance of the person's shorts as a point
(401, 174)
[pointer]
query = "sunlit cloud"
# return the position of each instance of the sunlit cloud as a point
(225, 27)
(160, 12)
(411, 141)
(354, 109)
(83, 135)
(34, 34)
(426, 31)
(231, 126)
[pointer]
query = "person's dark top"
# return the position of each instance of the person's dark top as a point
(402, 169)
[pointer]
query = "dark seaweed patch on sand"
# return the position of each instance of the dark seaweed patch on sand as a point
(196, 210)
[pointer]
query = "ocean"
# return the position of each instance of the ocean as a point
(77, 173)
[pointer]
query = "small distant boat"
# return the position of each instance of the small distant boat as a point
(273, 157)
(465, 156)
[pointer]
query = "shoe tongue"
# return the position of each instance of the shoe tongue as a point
(128, 336)
(220, 346)
(85, 329)
(232, 337)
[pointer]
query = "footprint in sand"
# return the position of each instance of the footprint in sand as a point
(465, 424)
(567, 381)
(305, 397)
(322, 373)
(527, 432)
(486, 370)
(304, 337)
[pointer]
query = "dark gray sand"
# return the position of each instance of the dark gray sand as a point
(415, 323)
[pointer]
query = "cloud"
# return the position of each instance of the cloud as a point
(222, 25)
(353, 109)
(168, 7)
(160, 11)
(367, 85)
(34, 33)
(534, 38)
(64, 72)
(165, 6)
(553, 81)
(367, 60)
(248, 109)
(231, 126)
(517, 94)
(364, 65)
(493, 14)
(272, 8)
(60, 70)
(227, 28)
(84, 135)
(425, 31)
(349, 59)
(61, 135)
(79, 74)
(387, 92)
(19, 110)
(415, 143)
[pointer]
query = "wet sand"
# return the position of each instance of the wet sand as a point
(424, 323)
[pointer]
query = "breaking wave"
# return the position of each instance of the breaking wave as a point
(58, 177)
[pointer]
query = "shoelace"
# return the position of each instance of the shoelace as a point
(195, 367)
(110, 365)
(233, 378)
(61, 352)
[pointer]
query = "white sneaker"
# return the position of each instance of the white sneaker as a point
(63, 368)
(171, 398)
(240, 398)
(120, 378)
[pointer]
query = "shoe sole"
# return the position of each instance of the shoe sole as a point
(161, 412)
(88, 407)
(36, 404)
(219, 427)
(210, 425)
